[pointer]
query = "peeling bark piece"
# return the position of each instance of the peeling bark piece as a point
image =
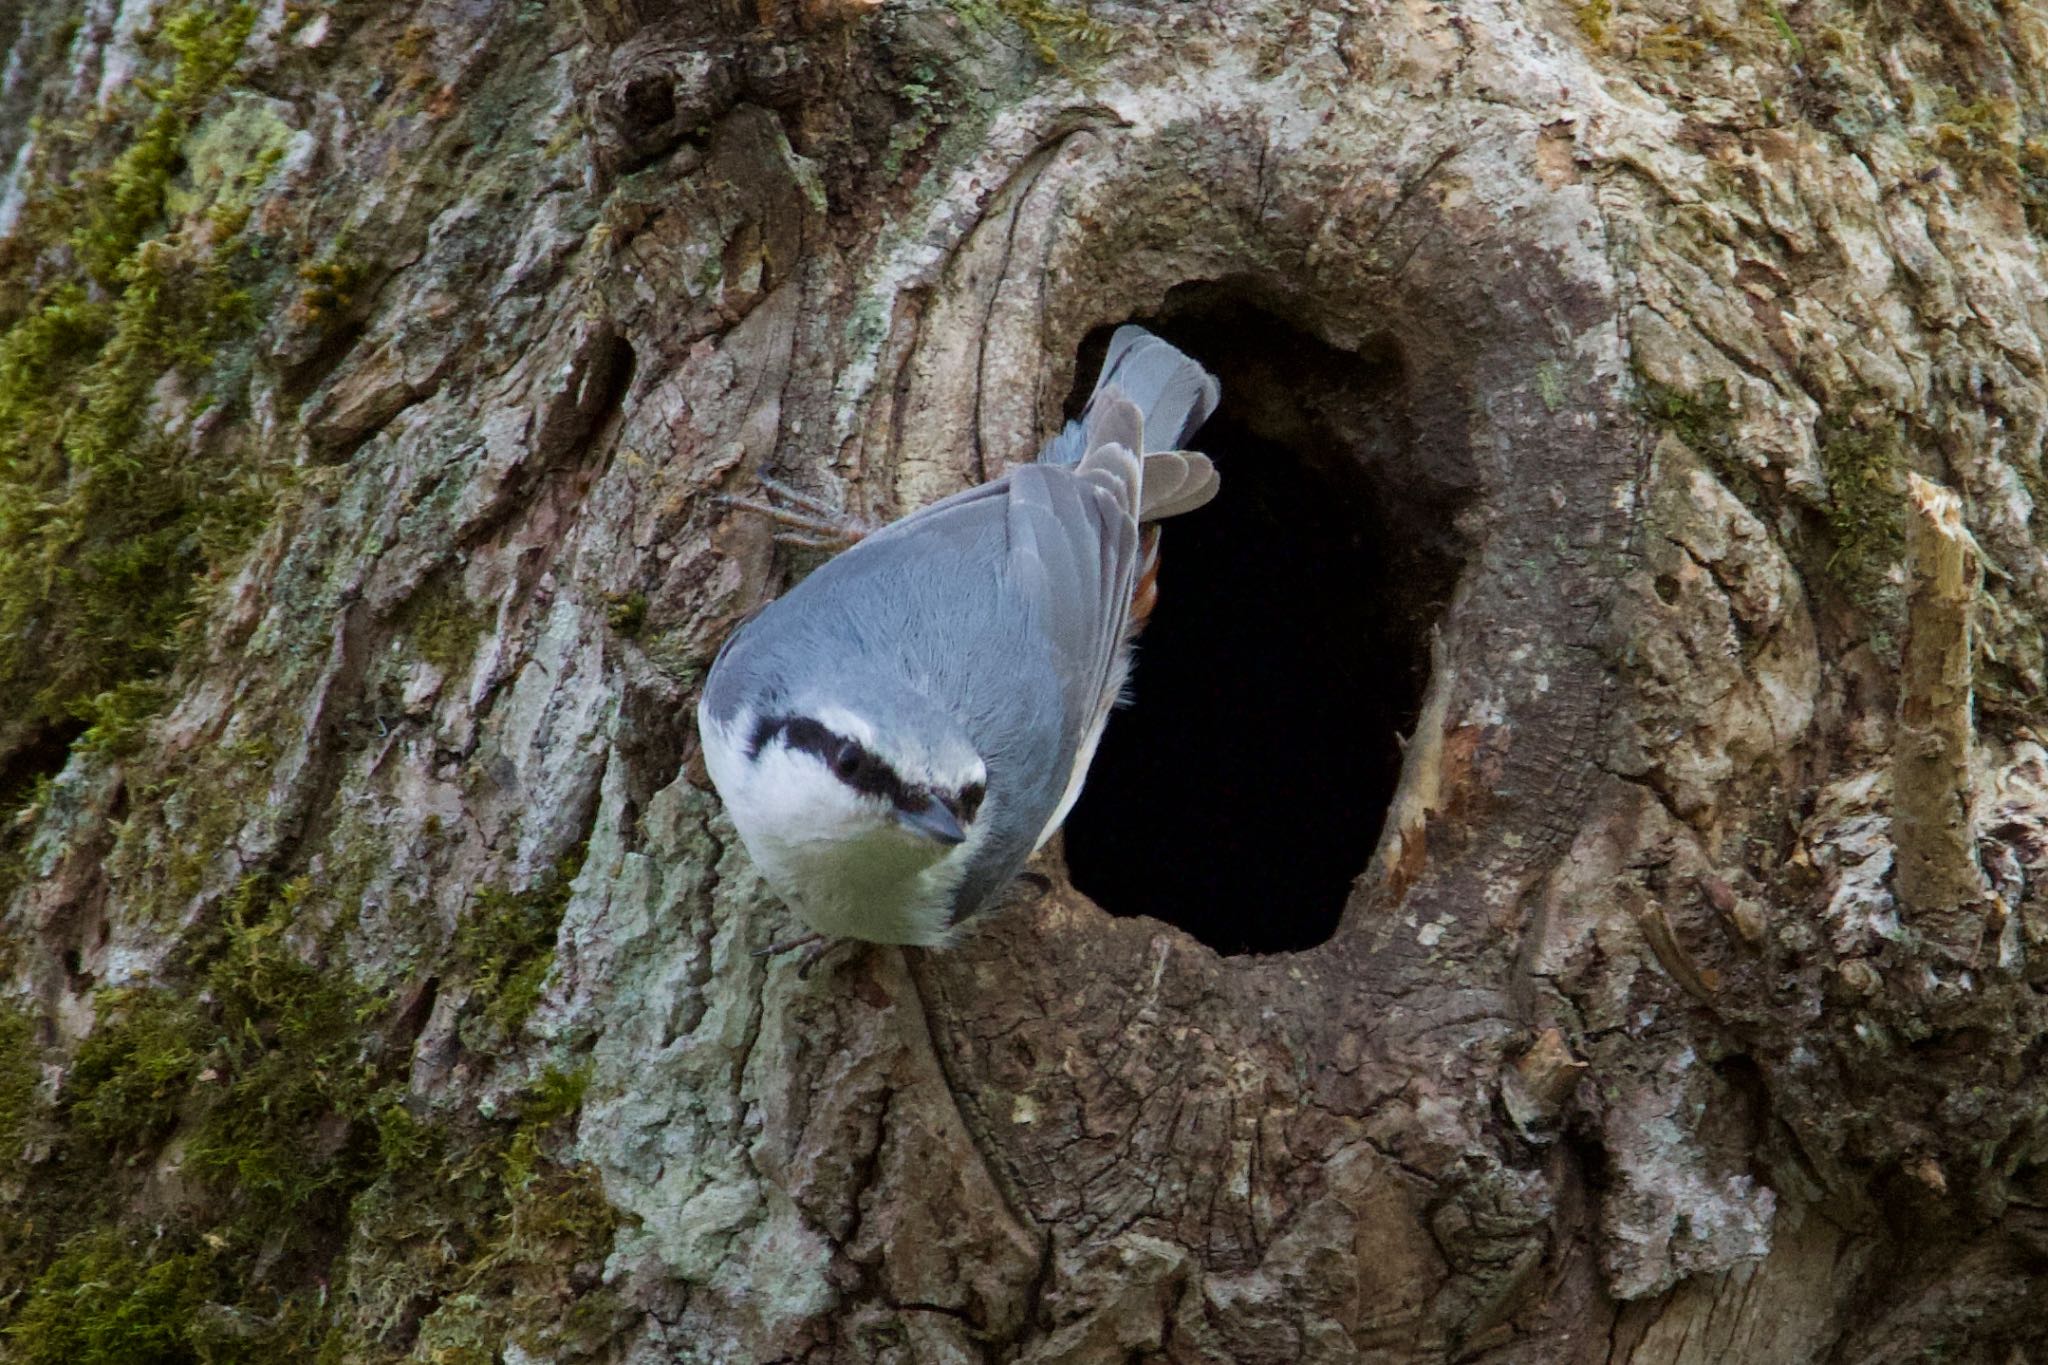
(1404, 839)
(1937, 869)
(1671, 955)
(1535, 1090)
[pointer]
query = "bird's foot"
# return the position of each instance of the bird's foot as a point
(814, 946)
(809, 521)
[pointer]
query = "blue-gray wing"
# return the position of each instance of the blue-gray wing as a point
(1069, 559)
(1073, 555)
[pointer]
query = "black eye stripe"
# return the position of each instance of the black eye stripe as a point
(765, 729)
(857, 766)
(854, 765)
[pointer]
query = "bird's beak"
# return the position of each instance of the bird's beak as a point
(934, 822)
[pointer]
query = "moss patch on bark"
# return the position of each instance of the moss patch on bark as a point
(113, 318)
(235, 1166)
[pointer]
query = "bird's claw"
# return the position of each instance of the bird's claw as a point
(814, 946)
(811, 521)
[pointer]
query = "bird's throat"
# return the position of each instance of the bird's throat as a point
(885, 888)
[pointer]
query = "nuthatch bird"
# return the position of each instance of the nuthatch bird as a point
(900, 732)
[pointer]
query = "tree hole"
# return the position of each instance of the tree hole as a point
(1241, 792)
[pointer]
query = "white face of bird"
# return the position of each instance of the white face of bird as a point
(840, 817)
(840, 770)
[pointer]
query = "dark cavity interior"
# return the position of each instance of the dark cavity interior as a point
(1241, 792)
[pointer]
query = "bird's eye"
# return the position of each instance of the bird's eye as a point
(847, 761)
(969, 801)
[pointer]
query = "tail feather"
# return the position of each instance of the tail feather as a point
(1175, 394)
(1172, 396)
(1112, 418)
(1177, 481)
(1166, 474)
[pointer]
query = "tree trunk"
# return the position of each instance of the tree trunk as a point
(380, 961)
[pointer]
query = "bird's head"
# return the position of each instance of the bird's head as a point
(908, 780)
(848, 782)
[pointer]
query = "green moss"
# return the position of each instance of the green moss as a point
(1705, 422)
(1864, 460)
(22, 802)
(252, 753)
(115, 719)
(107, 521)
(153, 1295)
(264, 1065)
(1595, 18)
(1987, 141)
(478, 1234)
(207, 817)
(1783, 27)
(1059, 34)
(228, 158)
(1672, 44)
(121, 202)
(626, 613)
(114, 1298)
(328, 288)
(929, 101)
(198, 801)
(442, 626)
(26, 1130)
(325, 1213)
(132, 1076)
(412, 1231)
(18, 1071)
(202, 1186)
(505, 946)
(297, 1076)
(2031, 165)
(556, 1096)
(1863, 456)
(1980, 137)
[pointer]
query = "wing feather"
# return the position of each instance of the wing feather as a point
(1074, 555)
(966, 514)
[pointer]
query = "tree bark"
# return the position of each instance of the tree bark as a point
(388, 992)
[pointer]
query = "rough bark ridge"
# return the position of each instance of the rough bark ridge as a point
(1626, 1050)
